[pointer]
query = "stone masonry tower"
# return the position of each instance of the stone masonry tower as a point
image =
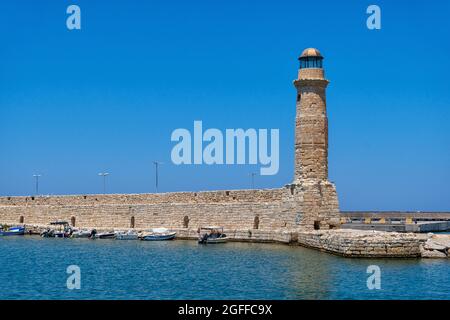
(311, 127)
(320, 206)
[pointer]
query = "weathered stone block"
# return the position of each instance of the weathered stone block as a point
(433, 254)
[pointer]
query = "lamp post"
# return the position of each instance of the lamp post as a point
(156, 163)
(36, 177)
(253, 174)
(104, 175)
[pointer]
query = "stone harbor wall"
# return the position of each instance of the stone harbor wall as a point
(264, 216)
(370, 244)
(306, 204)
(376, 244)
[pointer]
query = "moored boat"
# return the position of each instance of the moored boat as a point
(58, 229)
(106, 235)
(12, 231)
(61, 234)
(81, 234)
(127, 235)
(48, 233)
(211, 235)
(102, 235)
(158, 234)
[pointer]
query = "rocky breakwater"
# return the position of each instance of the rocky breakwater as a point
(436, 246)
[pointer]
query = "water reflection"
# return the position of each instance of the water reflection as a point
(35, 268)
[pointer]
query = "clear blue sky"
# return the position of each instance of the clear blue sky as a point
(107, 97)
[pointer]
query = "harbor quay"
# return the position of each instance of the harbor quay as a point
(267, 216)
(304, 212)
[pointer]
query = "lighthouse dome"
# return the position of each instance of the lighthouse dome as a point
(310, 52)
(310, 58)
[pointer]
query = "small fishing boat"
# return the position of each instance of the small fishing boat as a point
(102, 235)
(106, 235)
(158, 234)
(12, 231)
(127, 235)
(81, 234)
(61, 234)
(211, 235)
(48, 233)
(58, 229)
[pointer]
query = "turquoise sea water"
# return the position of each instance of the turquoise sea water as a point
(35, 268)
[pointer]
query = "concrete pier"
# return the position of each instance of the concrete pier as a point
(402, 221)
(422, 227)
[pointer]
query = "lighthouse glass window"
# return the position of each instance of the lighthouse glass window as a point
(311, 63)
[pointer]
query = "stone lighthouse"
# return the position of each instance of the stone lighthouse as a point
(319, 201)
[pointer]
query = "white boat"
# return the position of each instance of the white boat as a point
(57, 229)
(127, 235)
(102, 235)
(81, 234)
(158, 234)
(211, 235)
(105, 235)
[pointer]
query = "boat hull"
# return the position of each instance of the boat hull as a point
(13, 232)
(163, 237)
(106, 236)
(217, 240)
(212, 240)
(127, 237)
(103, 236)
(81, 235)
(61, 235)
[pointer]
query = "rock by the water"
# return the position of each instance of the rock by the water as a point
(433, 245)
(443, 240)
(433, 254)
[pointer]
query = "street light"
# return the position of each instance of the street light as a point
(36, 177)
(156, 163)
(253, 174)
(104, 174)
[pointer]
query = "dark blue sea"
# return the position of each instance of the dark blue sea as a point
(36, 268)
